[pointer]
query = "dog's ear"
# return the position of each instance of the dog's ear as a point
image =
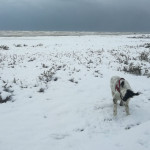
(122, 84)
(130, 94)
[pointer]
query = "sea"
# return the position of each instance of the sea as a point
(61, 33)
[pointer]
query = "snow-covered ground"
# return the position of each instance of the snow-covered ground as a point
(58, 94)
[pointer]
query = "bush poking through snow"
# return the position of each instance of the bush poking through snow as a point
(56, 78)
(73, 81)
(25, 45)
(47, 76)
(40, 44)
(44, 66)
(133, 69)
(144, 56)
(4, 97)
(41, 90)
(4, 47)
(31, 59)
(147, 45)
(18, 45)
(14, 81)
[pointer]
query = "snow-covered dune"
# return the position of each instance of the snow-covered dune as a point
(55, 92)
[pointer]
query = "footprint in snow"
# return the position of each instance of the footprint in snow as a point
(79, 130)
(131, 126)
(59, 136)
(108, 119)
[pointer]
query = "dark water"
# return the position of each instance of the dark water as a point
(59, 33)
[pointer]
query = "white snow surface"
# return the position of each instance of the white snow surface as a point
(61, 97)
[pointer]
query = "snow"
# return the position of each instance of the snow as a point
(4, 95)
(73, 111)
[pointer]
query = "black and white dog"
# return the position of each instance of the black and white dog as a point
(122, 91)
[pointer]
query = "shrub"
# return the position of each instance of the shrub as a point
(133, 69)
(47, 76)
(4, 97)
(41, 90)
(147, 45)
(4, 47)
(144, 56)
(18, 45)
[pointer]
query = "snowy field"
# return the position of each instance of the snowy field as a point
(55, 92)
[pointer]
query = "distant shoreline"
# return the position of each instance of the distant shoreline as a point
(61, 33)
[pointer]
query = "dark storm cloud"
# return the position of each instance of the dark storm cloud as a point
(79, 15)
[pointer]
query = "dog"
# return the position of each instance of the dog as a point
(122, 91)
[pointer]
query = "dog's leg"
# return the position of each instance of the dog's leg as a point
(112, 93)
(115, 107)
(121, 103)
(127, 108)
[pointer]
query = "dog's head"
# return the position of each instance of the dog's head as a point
(126, 94)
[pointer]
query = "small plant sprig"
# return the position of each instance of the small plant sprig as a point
(48, 75)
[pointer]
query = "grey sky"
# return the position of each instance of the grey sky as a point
(75, 15)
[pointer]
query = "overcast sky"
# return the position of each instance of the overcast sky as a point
(75, 15)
